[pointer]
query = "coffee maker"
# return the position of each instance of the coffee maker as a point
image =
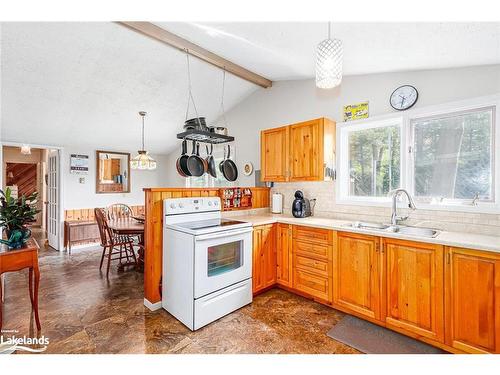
(301, 207)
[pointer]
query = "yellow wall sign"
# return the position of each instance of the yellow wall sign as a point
(355, 111)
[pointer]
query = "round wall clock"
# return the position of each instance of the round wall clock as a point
(404, 97)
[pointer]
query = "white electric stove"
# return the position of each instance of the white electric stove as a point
(207, 261)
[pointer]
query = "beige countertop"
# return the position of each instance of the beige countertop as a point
(465, 240)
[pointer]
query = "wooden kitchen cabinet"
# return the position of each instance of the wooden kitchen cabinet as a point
(356, 270)
(472, 304)
(284, 254)
(275, 154)
(414, 287)
(300, 152)
(264, 257)
(312, 268)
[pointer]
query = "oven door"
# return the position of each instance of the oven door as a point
(222, 259)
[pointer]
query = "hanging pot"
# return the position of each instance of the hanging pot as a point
(211, 162)
(181, 163)
(229, 169)
(195, 163)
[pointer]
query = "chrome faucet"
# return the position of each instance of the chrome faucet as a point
(394, 194)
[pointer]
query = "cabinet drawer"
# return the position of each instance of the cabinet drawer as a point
(312, 234)
(314, 266)
(314, 285)
(312, 250)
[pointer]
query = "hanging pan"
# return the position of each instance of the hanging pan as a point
(181, 163)
(211, 162)
(228, 166)
(195, 163)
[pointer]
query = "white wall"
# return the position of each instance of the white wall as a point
(77, 195)
(294, 101)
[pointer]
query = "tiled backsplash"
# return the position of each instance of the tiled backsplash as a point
(326, 207)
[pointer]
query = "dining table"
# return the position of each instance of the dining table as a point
(132, 227)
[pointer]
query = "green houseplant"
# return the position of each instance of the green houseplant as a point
(15, 215)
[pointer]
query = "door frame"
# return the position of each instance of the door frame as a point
(60, 182)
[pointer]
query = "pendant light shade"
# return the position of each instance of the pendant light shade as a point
(329, 56)
(142, 160)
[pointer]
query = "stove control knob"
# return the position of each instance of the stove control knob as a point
(181, 205)
(209, 203)
(216, 203)
(172, 205)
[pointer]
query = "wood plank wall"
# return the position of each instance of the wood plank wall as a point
(154, 229)
(87, 214)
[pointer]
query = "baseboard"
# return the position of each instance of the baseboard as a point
(152, 306)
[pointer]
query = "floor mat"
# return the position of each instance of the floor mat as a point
(372, 339)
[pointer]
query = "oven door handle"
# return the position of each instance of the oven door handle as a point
(223, 234)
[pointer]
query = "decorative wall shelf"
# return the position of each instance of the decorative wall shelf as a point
(204, 136)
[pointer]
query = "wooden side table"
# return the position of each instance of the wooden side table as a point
(16, 260)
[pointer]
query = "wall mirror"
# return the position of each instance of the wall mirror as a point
(112, 172)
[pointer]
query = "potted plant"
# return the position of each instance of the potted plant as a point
(15, 215)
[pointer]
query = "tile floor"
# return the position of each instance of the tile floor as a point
(82, 312)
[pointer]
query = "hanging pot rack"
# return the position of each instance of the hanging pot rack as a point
(201, 135)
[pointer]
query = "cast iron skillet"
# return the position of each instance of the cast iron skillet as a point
(181, 163)
(211, 162)
(195, 163)
(228, 166)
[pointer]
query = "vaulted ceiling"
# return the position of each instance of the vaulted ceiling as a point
(83, 83)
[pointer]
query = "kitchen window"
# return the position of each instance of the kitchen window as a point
(444, 158)
(371, 159)
(453, 156)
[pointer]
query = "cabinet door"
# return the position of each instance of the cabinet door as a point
(269, 255)
(356, 274)
(473, 301)
(414, 287)
(257, 271)
(284, 255)
(274, 157)
(306, 151)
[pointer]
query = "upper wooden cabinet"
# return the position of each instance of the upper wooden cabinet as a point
(414, 291)
(357, 274)
(473, 300)
(274, 155)
(300, 152)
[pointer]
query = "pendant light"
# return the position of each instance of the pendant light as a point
(329, 55)
(143, 160)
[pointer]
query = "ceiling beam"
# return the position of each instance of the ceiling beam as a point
(151, 30)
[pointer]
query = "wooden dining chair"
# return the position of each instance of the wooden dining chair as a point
(119, 211)
(121, 247)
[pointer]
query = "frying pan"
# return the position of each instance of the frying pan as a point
(228, 166)
(211, 162)
(195, 164)
(181, 163)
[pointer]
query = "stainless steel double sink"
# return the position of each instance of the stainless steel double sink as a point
(402, 229)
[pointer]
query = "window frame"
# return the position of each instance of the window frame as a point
(407, 161)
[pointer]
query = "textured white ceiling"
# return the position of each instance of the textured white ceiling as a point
(285, 50)
(83, 84)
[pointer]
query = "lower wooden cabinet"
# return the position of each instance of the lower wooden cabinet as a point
(356, 274)
(264, 257)
(414, 288)
(473, 300)
(284, 254)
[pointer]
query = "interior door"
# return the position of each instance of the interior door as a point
(53, 226)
